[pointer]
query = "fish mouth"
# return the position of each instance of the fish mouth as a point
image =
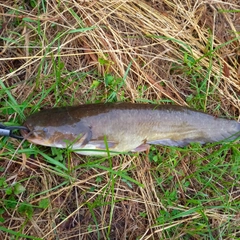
(29, 134)
(26, 132)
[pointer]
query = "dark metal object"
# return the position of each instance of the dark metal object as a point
(8, 131)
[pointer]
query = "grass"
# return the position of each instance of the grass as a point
(59, 53)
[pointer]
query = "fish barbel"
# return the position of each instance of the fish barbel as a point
(97, 129)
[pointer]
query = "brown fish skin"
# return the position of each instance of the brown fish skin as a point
(125, 127)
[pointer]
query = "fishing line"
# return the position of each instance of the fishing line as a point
(9, 131)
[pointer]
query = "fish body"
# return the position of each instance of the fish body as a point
(93, 129)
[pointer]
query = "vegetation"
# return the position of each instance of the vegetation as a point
(58, 53)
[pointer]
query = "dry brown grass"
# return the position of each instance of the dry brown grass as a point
(183, 52)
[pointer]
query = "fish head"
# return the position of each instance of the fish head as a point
(42, 135)
(61, 136)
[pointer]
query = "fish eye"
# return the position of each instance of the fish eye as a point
(45, 130)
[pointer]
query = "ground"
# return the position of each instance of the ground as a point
(59, 53)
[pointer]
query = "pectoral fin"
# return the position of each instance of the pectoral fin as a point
(96, 147)
(100, 144)
(86, 138)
